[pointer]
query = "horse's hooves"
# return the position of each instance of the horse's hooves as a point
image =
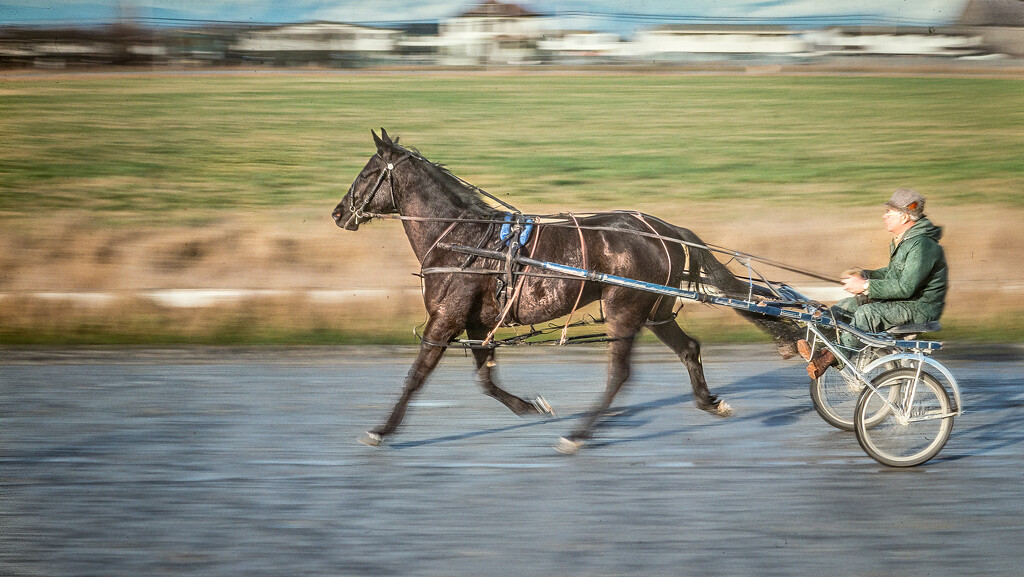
(542, 406)
(722, 409)
(371, 439)
(568, 447)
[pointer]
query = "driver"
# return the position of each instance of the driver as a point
(910, 289)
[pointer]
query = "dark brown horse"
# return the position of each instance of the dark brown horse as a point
(438, 208)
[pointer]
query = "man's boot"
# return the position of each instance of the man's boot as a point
(820, 363)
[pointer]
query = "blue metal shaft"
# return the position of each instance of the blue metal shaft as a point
(750, 306)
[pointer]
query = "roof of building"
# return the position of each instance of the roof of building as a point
(322, 24)
(494, 9)
(898, 30)
(723, 29)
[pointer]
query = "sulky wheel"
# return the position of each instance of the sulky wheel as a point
(835, 393)
(911, 432)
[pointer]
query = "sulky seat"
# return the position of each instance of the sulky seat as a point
(911, 330)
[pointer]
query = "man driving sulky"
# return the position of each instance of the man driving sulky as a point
(910, 289)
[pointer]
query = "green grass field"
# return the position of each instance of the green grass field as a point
(138, 147)
(148, 152)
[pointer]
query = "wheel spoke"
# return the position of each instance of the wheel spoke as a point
(903, 438)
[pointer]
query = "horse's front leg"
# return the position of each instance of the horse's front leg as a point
(484, 376)
(436, 336)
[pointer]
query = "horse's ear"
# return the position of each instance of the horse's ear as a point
(384, 135)
(385, 148)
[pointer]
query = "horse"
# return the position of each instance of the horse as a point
(438, 209)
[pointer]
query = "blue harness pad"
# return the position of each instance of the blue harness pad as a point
(506, 231)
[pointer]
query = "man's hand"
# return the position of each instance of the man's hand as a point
(855, 284)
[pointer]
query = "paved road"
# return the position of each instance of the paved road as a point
(243, 462)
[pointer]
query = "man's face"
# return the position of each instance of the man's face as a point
(895, 221)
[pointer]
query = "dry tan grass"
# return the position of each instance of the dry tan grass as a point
(134, 320)
(304, 250)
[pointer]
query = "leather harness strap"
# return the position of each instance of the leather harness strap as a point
(668, 257)
(583, 285)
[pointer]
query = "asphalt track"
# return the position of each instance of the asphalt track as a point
(224, 462)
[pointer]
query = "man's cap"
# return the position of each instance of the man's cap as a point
(907, 201)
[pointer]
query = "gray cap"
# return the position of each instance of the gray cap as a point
(907, 201)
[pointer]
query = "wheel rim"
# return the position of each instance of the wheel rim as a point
(899, 438)
(835, 394)
(835, 398)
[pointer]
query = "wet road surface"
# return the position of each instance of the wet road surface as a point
(222, 462)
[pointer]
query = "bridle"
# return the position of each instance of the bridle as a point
(387, 172)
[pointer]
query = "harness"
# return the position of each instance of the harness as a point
(517, 221)
(514, 234)
(386, 172)
(516, 231)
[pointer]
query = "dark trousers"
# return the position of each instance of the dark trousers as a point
(874, 316)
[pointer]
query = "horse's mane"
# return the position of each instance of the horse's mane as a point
(469, 195)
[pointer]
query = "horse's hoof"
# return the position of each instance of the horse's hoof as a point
(542, 406)
(371, 439)
(722, 409)
(568, 447)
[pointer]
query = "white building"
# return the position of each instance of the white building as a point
(893, 41)
(706, 40)
(315, 42)
(491, 33)
(569, 45)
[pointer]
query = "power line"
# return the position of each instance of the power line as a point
(614, 16)
(850, 19)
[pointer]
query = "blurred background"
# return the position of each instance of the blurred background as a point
(352, 34)
(168, 169)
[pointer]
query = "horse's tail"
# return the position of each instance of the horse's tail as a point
(702, 259)
(784, 332)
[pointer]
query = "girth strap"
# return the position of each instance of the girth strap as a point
(508, 295)
(515, 232)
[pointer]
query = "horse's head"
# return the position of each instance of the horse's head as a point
(372, 192)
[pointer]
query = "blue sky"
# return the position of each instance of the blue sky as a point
(617, 15)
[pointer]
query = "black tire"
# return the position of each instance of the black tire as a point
(893, 440)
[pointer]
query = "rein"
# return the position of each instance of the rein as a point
(562, 221)
(745, 257)
(515, 221)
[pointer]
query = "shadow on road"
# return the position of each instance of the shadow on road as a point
(993, 420)
(626, 416)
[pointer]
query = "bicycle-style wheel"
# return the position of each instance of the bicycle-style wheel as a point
(835, 393)
(835, 396)
(913, 431)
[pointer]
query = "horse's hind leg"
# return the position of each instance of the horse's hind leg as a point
(484, 370)
(688, 350)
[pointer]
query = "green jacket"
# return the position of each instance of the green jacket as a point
(916, 272)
